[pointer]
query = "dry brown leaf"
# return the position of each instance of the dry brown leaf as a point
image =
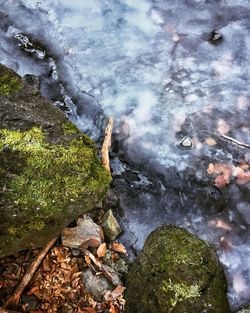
(112, 308)
(223, 172)
(210, 141)
(91, 301)
(244, 166)
(101, 251)
(223, 127)
(218, 223)
(226, 244)
(87, 259)
(115, 257)
(88, 310)
(117, 292)
(32, 290)
(221, 181)
(242, 176)
(118, 247)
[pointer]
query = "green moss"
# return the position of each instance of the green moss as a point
(52, 176)
(70, 129)
(181, 292)
(9, 84)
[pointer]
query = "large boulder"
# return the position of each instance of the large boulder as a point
(176, 272)
(50, 172)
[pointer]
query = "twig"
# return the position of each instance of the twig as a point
(13, 301)
(101, 267)
(107, 143)
(237, 142)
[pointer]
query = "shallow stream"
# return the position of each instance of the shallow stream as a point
(175, 75)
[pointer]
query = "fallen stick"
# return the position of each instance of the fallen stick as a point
(102, 268)
(107, 143)
(13, 301)
(237, 142)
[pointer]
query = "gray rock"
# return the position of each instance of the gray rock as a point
(115, 277)
(96, 285)
(32, 84)
(215, 37)
(120, 265)
(110, 226)
(31, 302)
(176, 272)
(86, 234)
(49, 171)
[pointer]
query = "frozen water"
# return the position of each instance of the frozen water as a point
(151, 66)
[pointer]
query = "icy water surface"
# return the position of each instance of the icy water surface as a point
(151, 65)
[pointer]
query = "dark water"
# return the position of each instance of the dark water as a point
(151, 65)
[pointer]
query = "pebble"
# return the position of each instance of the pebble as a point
(215, 37)
(111, 228)
(186, 142)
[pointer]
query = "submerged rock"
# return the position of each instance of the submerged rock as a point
(50, 173)
(247, 310)
(176, 272)
(215, 37)
(186, 142)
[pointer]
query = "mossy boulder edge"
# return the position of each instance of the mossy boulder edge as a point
(50, 172)
(176, 272)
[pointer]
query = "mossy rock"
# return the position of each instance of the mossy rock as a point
(176, 272)
(10, 82)
(50, 173)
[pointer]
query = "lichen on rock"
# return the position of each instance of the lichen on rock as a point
(176, 272)
(50, 172)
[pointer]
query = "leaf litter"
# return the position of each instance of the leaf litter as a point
(57, 284)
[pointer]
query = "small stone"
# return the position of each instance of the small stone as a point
(86, 234)
(110, 226)
(75, 252)
(186, 142)
(119, 265)
(96, 285)
(215, 37)
(31, 302)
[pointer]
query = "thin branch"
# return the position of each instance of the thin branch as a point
(237, 142)
(107, 143)
(102, 268)
(13, 301)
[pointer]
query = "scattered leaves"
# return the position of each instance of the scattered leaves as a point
(224, 172)
(223, 127)
(118, 247)
(210, 141)
(112, 308)
(58, 282)
(219, 223)
(101, 251)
